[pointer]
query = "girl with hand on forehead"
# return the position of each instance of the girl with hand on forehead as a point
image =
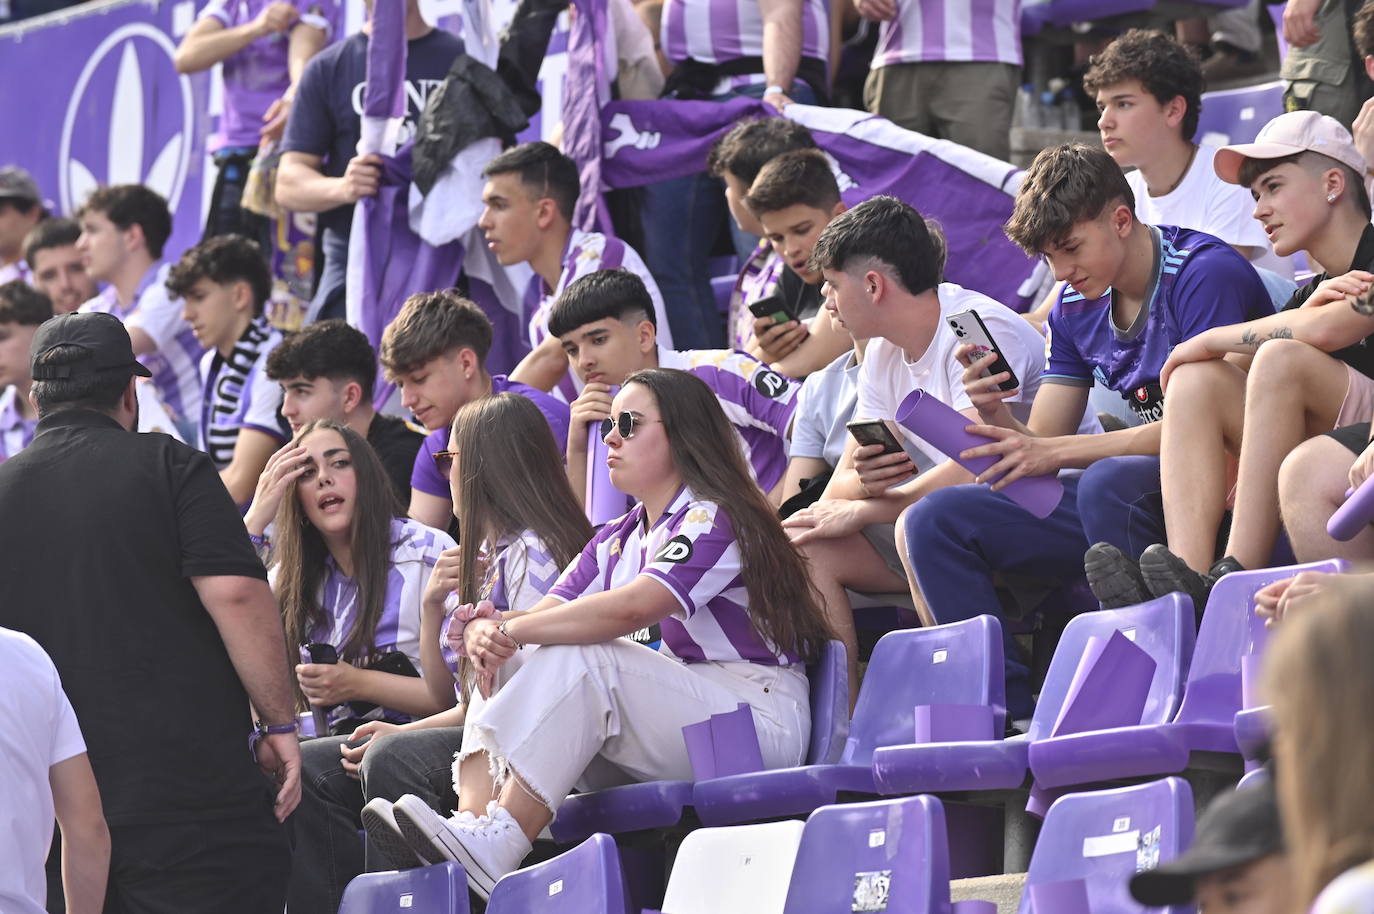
(703, 556)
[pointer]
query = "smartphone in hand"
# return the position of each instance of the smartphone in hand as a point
(875, 431)
(969, 328)
(774, 306)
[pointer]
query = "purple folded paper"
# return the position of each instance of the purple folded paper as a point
(1109, 687)
(723, 744)
(950, 723)
(1067, 897)
(385, 93)
(973, 906)
(1355, 514)
(944, 427)
(603, 501)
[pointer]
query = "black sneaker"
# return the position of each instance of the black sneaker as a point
(1166, 573)
(1114, 579)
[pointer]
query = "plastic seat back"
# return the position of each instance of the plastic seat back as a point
(586, 878)
(1237, 115)
(958, 663)
(1163, 628)
(829, 677)
(442, 887)
(1104, 837)
(740, 869)
(890, 855)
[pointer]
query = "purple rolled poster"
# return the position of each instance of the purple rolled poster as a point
(1355, 514)
(603, 501)
(945, 427)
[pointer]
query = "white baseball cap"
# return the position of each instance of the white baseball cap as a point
(1289, 134)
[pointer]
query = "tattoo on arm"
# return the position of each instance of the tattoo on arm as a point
(1253, 340)
(1249, 338)
(1281, 333)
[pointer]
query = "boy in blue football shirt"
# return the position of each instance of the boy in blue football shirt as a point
(1134, 292)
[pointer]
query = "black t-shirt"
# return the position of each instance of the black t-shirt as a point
(802, 298)
(396, 443)
(103, 531)
(326, 117)
(1361, 355)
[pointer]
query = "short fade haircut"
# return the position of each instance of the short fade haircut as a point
(753, 144)
(543, 170)
(50, 233)
(223, 259)
(940, 245)
(133, 204)
(1364, 30)
(1312, 162)
(1064, 186)
(21, 303)
(882, 232)
(802, 176)
(99, 390)
(326, 349)
(600, 296)
(431, 324)
(1166, 68)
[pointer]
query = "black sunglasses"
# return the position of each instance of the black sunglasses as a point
(624, 423)
(444, 461)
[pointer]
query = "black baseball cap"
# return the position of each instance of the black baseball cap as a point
(102, 335)
(1241, 826)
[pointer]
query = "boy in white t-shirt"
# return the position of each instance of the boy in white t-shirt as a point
(882, 273)
(47, 774)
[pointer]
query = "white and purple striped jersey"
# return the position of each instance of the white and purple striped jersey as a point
(587, 252)
(929, 31)
(175, 364)
(716, 31)
(238, 394)
(518, 577)
(691, 550)
(414, 550)
(16, 432)
(9, 272)
(757, 400)
(758, 279)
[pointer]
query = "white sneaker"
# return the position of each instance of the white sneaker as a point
(487, 850)
(379, 821)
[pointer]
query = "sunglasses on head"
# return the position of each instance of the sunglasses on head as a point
(624, 424)
(444, 461)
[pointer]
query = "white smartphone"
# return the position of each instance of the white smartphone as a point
(969, 328)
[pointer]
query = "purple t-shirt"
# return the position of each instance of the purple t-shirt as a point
(926, 31)
(426, 476)
(258, 74)
(691, 550)
(1199, 282)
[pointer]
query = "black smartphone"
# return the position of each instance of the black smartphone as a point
(774, 306)
(874, 431)
(969, 328)
(322, 653)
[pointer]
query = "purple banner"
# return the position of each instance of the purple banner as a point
(94, 99)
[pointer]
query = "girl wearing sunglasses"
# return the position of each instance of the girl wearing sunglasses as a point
(703, 556)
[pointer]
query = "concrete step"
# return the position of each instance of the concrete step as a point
(1004, 891)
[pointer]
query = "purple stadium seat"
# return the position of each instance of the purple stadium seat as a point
(439, 888)
(889, 855)
(1094, 842)
(1252, 732)
(1236, 115)
(956, 664)
(586, 878)
(660, 804)
(1205, 721)
(1163, 628)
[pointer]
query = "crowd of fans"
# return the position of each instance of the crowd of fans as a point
(473, 629)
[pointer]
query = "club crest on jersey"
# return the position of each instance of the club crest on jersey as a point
(677, 550)
(770, 383)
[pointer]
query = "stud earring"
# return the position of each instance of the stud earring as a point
(1330, 198)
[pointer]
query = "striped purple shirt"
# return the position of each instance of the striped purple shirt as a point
(927, 31)
(716, 31)
(758, 279)
(757, 400)
(16, 432)
(691, 550)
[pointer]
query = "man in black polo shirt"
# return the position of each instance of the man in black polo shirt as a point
(125, 558)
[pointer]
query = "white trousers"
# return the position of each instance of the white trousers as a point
(600, 715)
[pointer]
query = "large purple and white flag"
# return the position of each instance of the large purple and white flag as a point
(384, 97)
(586, 91)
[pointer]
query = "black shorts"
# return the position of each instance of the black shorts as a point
(1355, 437)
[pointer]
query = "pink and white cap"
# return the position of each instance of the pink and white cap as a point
(1289, 134)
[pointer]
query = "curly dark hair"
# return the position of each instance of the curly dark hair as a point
(1164, 67)
(224, 260)
(1364, 29)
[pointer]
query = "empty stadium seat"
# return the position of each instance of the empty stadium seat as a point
(659, 804)
(1237, 115)
(1162, 627)
(888, 855)
(586, 878)
(442, 888)
(1100, 839)
(956, 664)
(744, 869)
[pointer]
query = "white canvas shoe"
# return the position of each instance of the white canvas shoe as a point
(487, 849)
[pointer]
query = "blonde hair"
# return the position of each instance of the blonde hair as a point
(1317, 669)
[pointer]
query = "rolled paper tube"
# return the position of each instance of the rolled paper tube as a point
(604, 502)
(1356, 514)
(944, 427)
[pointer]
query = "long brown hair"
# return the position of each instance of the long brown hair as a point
(300, 550)
(511, 479)
(784, 607)
(1317, 675)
